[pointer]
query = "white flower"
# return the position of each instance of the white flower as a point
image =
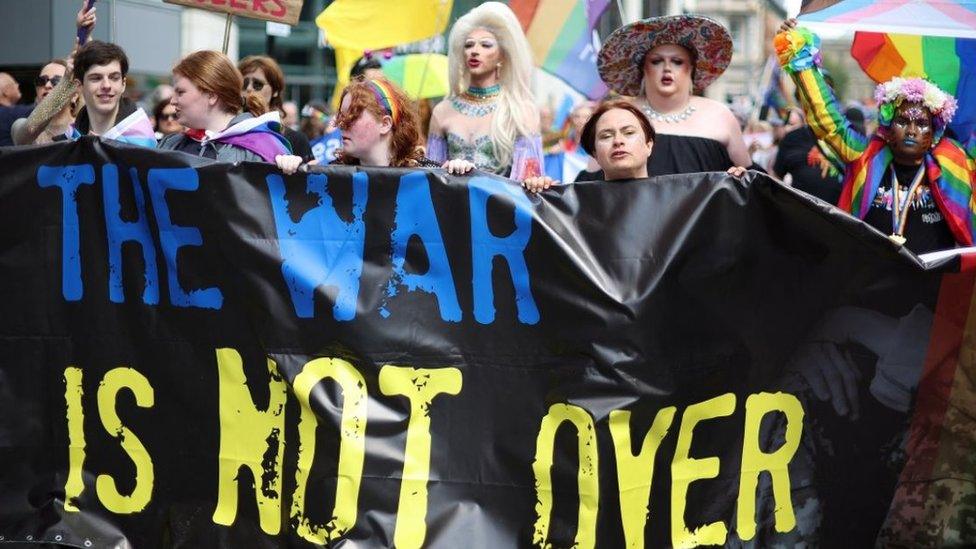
(934, 98)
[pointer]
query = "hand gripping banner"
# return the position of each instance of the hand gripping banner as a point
(196, 354)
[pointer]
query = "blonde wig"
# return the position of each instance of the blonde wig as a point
(515, 102)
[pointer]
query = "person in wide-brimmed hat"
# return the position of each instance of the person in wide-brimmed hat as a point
(662, 62)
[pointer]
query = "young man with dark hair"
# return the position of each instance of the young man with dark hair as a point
(99, 70)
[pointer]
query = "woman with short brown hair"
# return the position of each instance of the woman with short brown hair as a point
(264, 77)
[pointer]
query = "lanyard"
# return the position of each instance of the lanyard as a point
(899, 212)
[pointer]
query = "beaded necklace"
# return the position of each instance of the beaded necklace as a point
(477, 102)
(669, 118)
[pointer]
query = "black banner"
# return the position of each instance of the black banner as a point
(195, 354)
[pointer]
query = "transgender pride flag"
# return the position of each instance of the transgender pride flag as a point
(956, 18)
(563, 43)
(135, 129)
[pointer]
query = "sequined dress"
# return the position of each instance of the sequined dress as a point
(526, 156)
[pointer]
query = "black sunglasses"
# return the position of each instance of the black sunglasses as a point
(254, 83)
(169, 116)
(42, 80)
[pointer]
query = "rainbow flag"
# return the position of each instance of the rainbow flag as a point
(940, 59)
(929, 17)
(563, 43)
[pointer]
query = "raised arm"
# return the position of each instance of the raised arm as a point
(26, 132)
(798, 50)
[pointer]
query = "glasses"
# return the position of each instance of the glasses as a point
(168, 116)
(42, 80)
(254, 83)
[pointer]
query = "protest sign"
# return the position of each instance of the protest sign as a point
(199, 354)
(282, 11)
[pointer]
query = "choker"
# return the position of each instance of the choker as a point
(669, 118)
(484, 93)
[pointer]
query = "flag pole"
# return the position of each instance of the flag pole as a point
(114, 37)
(230, 20)
(423, 75)
(620, 10)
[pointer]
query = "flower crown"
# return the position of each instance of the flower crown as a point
(892, 93)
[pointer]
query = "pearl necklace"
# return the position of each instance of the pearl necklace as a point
(669, 118)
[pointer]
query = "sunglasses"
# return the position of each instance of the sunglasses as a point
(254, 83)
(169, 116)
(42, 80)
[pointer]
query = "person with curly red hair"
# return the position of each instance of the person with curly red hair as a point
(380, 128)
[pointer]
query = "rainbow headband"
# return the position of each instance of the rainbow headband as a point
(384, 96)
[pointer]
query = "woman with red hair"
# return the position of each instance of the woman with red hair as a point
(207, 96)
(380, 128)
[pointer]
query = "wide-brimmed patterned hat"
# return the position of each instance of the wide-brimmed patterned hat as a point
(621, 60)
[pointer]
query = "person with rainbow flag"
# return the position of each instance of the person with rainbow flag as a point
(207, 96)
(870, 359)
(908, 180)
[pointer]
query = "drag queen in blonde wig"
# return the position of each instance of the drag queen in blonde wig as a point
(489, 118)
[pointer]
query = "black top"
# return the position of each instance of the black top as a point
(7, 117)
(801, 158)
(299, 143)
(674, 154)
(126, 108)
(926, 229)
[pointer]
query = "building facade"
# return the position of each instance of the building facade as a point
(150, 31)
(752, 24)
(308, 64)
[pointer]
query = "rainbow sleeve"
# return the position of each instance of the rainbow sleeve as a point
(954, 172)
(799, 53)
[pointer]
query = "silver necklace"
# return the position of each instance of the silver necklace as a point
(669, 118)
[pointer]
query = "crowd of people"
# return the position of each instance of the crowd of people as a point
(902, 175)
